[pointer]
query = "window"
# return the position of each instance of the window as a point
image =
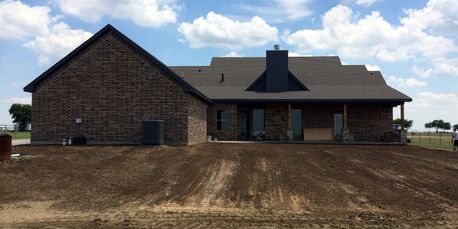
(296, 123)
(258, 120)
(221, 120)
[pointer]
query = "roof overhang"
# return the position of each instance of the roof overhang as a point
(315, 101)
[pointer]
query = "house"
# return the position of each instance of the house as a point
(111, 85)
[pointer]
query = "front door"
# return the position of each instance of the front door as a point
(338, 126)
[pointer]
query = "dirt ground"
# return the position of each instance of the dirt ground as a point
(230, 185)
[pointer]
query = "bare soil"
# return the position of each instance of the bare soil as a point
(230, 185)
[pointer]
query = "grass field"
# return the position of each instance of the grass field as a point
(20, 135)
(441, 141)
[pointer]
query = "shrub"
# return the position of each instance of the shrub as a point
(391, 137)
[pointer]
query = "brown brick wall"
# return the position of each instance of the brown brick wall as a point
(197, 120)
(318, 116)
(369, 122)
(113, 89)
(233, 121)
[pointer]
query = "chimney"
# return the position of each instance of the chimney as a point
(277, 69)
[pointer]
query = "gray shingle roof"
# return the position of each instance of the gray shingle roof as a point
(325, 77)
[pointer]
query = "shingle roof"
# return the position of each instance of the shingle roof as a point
(325, 77)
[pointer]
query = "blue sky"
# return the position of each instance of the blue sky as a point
(413, 42)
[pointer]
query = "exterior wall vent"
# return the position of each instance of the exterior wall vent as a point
(153, 132)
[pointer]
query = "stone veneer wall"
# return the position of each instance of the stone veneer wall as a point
(113, 89)
(276, 121)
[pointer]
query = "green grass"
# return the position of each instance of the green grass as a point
(441, 141)
(20, 135)
(448, 147)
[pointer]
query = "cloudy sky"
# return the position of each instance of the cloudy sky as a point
(413, 42)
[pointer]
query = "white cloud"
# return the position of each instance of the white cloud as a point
(428, 106)
(153, 13)
(60, 40)
(369, 36)
(21, 100)
(295, 54)
(440, 67)
(438, 17)
(18, 20)
(402, 83)
(372, 67)
(233, 54)
(48, 38)
(218, 30)
(365, 2)
(281, 10)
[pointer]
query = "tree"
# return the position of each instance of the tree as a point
(439, 125)
(455, 126)
(22, 115)
(428, 125)
(407, 123)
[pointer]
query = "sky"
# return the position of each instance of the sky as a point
(414, 43)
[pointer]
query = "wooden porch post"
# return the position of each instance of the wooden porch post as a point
(345, 117)
(289, 116)
(402, 117)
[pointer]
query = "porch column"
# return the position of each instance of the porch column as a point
(345, 126)
(289, 116)
(402, 116)
(289, 131)
(345, 132)
(403, 133)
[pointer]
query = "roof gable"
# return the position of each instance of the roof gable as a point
(109, 28)
(293, 83)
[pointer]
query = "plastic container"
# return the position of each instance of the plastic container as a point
(5, 147)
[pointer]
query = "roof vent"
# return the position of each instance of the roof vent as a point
(276, 47)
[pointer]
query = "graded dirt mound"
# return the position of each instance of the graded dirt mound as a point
(230, 185)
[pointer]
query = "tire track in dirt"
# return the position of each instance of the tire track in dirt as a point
(214, 186)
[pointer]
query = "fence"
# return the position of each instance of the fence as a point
(7, 128)
(442, 140)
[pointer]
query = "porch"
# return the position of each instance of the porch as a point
(301, 122)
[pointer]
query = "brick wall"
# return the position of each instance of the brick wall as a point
(233, 121)
(113, 89)
(197, 120)
(318, 116)
(369, 122)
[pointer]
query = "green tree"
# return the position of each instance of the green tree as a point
(428, 125)
(407, 123)
(439, 125)
(455, 126)
(21, 114)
